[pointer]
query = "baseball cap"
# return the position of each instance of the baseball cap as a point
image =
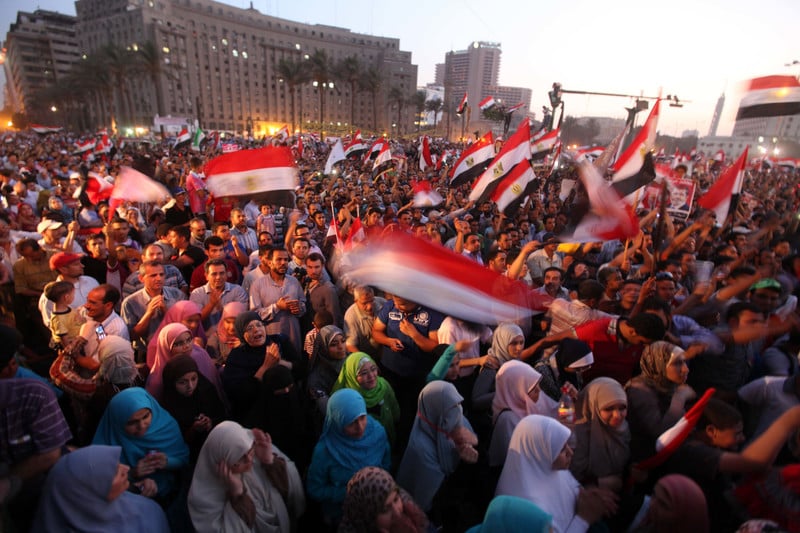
(62, 259)
(47, 224)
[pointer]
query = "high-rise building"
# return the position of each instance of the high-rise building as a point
(712, 129)
(219, 64)
(475, 71)
(40, 50)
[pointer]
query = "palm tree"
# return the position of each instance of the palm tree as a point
(149, 62)
(397, 96)
(320, 75)
(418, 101)
(349, 70)
(119, 63)
(294, 74)
(371, 82)
(434, 106)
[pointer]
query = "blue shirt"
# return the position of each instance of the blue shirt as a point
(411, 361)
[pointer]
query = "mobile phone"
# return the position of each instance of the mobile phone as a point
(101, 333)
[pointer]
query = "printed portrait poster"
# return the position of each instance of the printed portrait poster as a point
(681, 197)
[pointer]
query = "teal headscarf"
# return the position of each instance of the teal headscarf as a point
(510, 513)
(344, 407)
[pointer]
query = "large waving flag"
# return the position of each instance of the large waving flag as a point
(462, 106)
(425, 159)
(606, 217)
(514, 151)
(631, 184)
(271, 168)
(103, 146)
(425, 195)
(374, 149)
(85, 146)
(384, 156)
(98, 188)
(514, 108)
(439, 278)
(473, 161)
(770, 96)
(131, 185)
(720, 195)
(544, 145)
(336, 155)
(44, 130)
(632, 158)
(515, 187)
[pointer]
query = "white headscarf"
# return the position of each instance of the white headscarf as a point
(209, 506)
(513, 382)
(528, 471)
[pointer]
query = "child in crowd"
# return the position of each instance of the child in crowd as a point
(66, 322)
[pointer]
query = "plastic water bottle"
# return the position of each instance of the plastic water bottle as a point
(566, 407)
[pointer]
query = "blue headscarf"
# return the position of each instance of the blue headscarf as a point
(75, 497)
(344, 407)
(163, 435)
(510, 513)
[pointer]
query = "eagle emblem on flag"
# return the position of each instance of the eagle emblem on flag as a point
(498, 170)
(469, 161)
(516, 189)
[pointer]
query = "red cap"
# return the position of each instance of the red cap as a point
(62, 259)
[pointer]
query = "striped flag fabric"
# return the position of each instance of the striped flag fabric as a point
(425, 159)
(541, 147)
(44, 130)
(132, 185)
(374, 149)
(384, 156)
(103, 146)
(271, 168)
(632, 158)
(720, 195)
(590, 153)
(85, 146)
(283, 133)
(487, 103)
(770, 96)
(514, 108)
(439, 278)
(425, 195)
(462, 106)
(515, 187)
(183, 137)
(356, 147)
(97, 188)
(631, 184)
(514, 151)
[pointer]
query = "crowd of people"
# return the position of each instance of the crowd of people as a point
(207, 364)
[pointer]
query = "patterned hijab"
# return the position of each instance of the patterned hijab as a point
(653, 363)
(348, 379)
(367, 492)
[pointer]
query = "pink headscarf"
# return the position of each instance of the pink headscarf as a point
(512, 383)
(179, 312)
(231, 309)
(169, 334)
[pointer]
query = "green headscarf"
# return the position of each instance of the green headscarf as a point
(347, 379)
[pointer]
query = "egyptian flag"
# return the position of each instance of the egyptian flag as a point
(97, 188)
(514, 108)
(103, 146)
(424, 195)
(787, 162)
(184, 137)
(299, 147)
(515, 187)
(384, 156)
(267, 169)
(590, 153)
(374, 149)
(544, 145)
(604, 215)
(425, 159)
(632, 158)
(462, 106)
(721, 196)
(672, 439)
(44, 130)
(473, 161)
(438, 278)
(770, 96)
(514, 151)
(631, 184)
(355, 147)
(85, 146)
(487, 103)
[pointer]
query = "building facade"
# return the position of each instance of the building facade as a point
(219, 66)
(41, 48)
